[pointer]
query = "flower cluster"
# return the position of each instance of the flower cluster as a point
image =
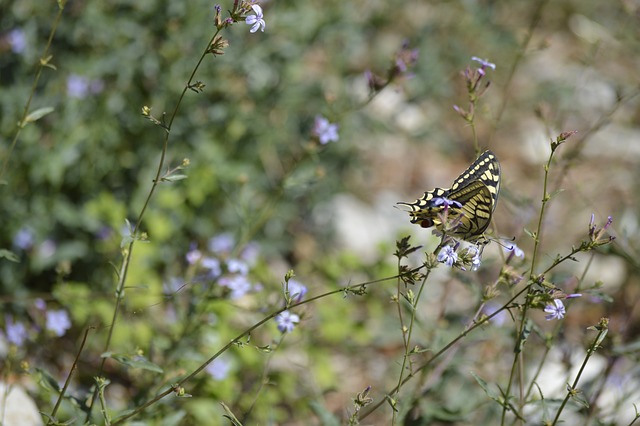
(55, 321)
(220, 264)
(475, 89)
(404, 60)
(325, 131)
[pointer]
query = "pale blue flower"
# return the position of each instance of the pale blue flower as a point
(448, 256)
(237, 266)
(325, 131)
(442, 201)
(287, 321)
(238, 285)
(222, 243)
(23, 239)
(16, 332)
(213, 265)
(193, 256)
(58, 321)
(17, 40)
(219, 368)
(484, 63)
(297, 290)
(555, 311)
(513, 250)
(256, 20)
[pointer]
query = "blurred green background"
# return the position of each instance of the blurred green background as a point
(326, 212)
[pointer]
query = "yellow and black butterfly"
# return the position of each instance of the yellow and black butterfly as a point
(471, 200)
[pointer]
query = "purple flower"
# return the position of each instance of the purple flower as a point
(16, 332)
(256, 20)
(237, 266)
(219, 368)
(555, 311)
(17, 40)
(193, 256)
(513, 250)
(442, 201)
(40, 304)
(286, 321)
(213, 265)
(477, 258)
(58, 322)
(250, 253)
(23, 239)
(325, 131)
(484, 63)
(297, 290)
(238, 285)
(573, 295)
(448, 256)
(222, 243)
(77, 86)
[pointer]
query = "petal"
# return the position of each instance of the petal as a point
(255, 27)
(257, 9)
(252, 19)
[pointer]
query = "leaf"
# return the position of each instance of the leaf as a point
(232, 418)
(136, 361)
(9, 255)
(174, 178)
(38, 114)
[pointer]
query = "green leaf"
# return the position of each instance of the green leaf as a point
(9, 255)
(174, 178)
(229, 415)
(135, 361)
(38, 114)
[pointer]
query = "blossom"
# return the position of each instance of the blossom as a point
(296, 289)
(442, 201)
(325, 131)
(17, 40)
(448, 256)
(250, 253)
(193, 256)
(219, 368)
(238, 284)
(256, 20)
(237, 266)
(222, 243)
(555, 311)
(16, 332)
(23, 239)
(476, 260)
(484, 63)
(286, 321)
(213, 265)
(79, 86)
(514, 250)
(58, 321)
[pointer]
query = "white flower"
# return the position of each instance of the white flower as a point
(555, 311)
(256, 20)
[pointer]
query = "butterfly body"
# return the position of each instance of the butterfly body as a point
(469, 203)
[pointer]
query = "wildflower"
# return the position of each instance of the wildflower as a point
(555, 311)
(16, 332)
(513, 250)
(58, 322)
(193, 255)
(237, 266)
(79, 86)
(40, 304)
(219, 368)
(483, 64)
(296, 289)
(238, 285)
(325, 131)
(256, 20)
(213, 265)
(573, 295)
(406, 58)
(250, 253)
(286, 321)
(448, 256)
(23, 239)
(222, 243)
(476, 260)
(442, 201)
(17, 40)
(173, 285)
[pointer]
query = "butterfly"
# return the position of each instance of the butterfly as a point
(470, 201)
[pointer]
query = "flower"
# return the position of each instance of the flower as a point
(17, 40)
(58, 322)
(555, 311)
(250, 253)
(286, 321)
(16, 332)
(23, 239)
(193, 256)
(237, 266)
(256, 20)
(476, 260)
(238, 285)
(484, 63)
(79, 86)
(213, 265)
(514, 250)
(297, 290)
(222, 243)
(219, 368)
(325, 131)
(448, 256)
(442, 201)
